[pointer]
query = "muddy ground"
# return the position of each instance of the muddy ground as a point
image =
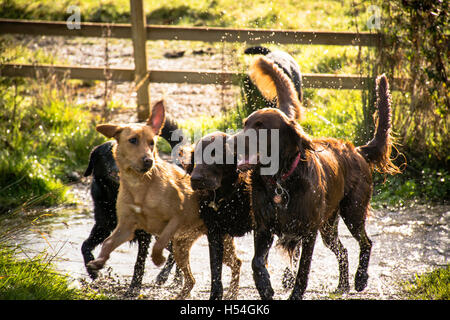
(406, 241)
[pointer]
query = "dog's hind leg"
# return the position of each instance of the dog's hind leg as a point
(301, 281)
(143, 239)
(263, 241)
(181, 249)
(231, 260)
(354, 214)
(329, 233)
(290, 272)
(163, 275)
(122, 233)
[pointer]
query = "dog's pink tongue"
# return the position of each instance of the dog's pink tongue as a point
(247, 162)
(242, 162)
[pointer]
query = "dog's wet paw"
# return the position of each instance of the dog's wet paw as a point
(132, 292)
(342, 289)
(158, 259)
(182, 296)
(231, 294)
(93, 274)
(95, 265)
(361, 281)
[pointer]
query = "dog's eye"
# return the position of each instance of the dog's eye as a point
(151, 143)
(133, 140)
(258, 124)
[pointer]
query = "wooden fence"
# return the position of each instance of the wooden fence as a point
(139, 32)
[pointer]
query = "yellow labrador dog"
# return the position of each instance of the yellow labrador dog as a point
(156, 196)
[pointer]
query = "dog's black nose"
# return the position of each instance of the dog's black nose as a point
(197, 183)
(147, 161)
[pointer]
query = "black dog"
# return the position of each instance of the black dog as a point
(284, 61)
(224, 202)
(104, 189)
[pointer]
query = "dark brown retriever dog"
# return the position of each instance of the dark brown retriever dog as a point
(224, 200)
(317, 180)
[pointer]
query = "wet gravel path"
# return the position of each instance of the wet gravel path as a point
(184, 101)
(406, 241)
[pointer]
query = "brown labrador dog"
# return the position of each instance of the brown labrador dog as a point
(155, 196)
(317, 180)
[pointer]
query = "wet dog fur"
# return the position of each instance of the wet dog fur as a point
(224, 201)
(333, 178)
(104, 188)
(155, 196)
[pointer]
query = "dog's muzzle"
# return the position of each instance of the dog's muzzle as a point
(147, 163)
(198, 183)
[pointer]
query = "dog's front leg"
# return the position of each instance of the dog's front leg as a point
(123, 232)
(301, 282)
(143, 239)
(215, 240)
(163, 240)
(263, 242)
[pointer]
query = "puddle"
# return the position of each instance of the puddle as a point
(407, 241)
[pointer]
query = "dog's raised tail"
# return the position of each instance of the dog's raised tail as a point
(378, 150)
(273, 83)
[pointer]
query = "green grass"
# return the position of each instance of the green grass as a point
(332, 113)
(284, 14)
(434, 285)
(427, 186)
(44, 139)
(34, 279)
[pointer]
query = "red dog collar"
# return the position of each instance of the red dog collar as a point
(293, 166)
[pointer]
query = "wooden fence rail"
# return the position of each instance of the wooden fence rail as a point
(310, 80)
(205, 34)
(139, 33)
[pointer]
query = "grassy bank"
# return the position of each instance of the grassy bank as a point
(45, 142)
(286, 14)
(34, 278)
(45, 137)
(31, 279)
(434, 285)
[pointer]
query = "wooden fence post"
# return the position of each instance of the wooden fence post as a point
(142, 77)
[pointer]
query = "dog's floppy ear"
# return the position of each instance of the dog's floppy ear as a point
(302, 140)
(109, 130)
(157, 117)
